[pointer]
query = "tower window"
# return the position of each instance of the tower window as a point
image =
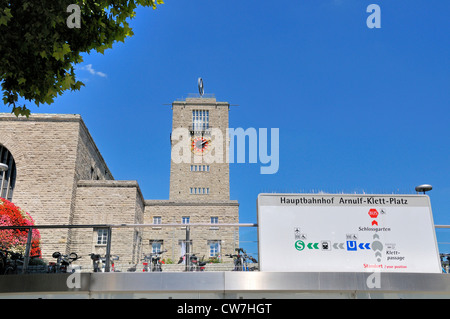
(199, 168)
(199, 190)
(200, 120)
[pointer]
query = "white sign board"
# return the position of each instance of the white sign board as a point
(346, 233)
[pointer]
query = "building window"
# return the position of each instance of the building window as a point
(200, 120)
(156, 246)
(199, 168)
(214, 248)
(8, 177)
(185, 220)
(102, 236)
(183, 245)
(214, 220)
(199, 190)
(157, 220)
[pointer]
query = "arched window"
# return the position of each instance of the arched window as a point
(7, 178)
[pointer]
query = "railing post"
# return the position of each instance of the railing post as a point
(26, 259)
(187, 258)
(108, 251)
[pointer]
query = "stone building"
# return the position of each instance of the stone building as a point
(58, 175)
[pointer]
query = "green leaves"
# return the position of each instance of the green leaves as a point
(17, 110)
(39, 51)
(5, 16)
(60, 51)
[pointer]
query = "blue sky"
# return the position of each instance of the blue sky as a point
(359, 109)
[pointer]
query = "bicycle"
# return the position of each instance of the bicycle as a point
(193, 264)
(240, 260)
(62, 262)
(154, 259)
(97, 262)
(11, 264)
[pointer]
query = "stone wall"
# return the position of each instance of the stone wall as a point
(108, 202)
(50, 152)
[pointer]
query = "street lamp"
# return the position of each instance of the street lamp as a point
(423, 188)
(3, 167)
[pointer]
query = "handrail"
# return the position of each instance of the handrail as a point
(129, 225)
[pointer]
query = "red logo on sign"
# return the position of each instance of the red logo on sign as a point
(374, 222)
(373, 213)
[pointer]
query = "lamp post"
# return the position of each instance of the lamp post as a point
(3, 167)
(424, 188)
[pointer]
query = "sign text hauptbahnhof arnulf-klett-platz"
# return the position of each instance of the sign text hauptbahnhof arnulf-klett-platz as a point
(336, 200)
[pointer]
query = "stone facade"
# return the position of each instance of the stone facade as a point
(62, 179)
(172, 212)
(52, 153)
(216, 178)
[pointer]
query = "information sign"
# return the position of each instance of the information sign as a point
(346, 233)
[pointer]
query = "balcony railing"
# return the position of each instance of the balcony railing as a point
(202, 130)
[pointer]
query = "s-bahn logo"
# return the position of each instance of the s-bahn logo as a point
(299, 245)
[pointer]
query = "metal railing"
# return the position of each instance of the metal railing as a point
(155, 227)
(109, 235)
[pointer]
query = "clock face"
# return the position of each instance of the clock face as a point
(200, 145)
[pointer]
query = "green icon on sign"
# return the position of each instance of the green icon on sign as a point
(299, 245)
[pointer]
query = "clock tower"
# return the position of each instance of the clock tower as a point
(199, 185)
(199, 170)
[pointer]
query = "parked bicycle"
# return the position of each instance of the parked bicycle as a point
(13, 264)
(240, 260)
(63, 262)
(152, 261)
(193, 264)
(10, 266)
(113, 259)
(99, 262)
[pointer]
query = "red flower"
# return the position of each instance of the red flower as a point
(15, 239)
